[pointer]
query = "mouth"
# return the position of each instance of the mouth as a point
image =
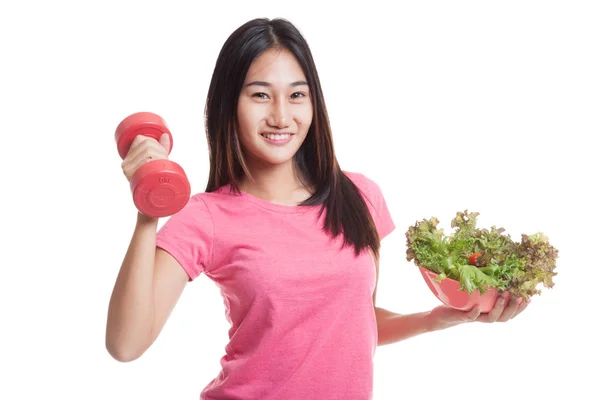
(277, 138)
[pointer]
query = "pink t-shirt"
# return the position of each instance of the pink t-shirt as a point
(301, 310)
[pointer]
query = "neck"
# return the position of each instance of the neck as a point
(279, 184)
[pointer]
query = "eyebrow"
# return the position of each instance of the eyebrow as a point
(267, 84)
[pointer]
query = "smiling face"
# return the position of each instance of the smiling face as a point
(274, 109)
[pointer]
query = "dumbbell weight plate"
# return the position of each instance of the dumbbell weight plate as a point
(160, 188)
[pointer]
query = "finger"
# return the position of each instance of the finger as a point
(150, 152)
(132, 164)
(143, 158)
(495, 312)
(522, 307)
(141, 141)
(145, 145)
(165, 141)
(473, 314)
(138, 145)
(510, 310)
(137, 141)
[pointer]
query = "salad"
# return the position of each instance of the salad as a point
(482, 258)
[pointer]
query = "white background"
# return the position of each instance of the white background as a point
(486, 106)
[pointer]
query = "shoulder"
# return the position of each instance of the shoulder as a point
(218, 203)
(196, 202)
(364, 183)
(375, 200)
(356, 177)
(206, 199)
(196, 210)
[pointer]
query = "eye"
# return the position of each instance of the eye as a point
(297, 95)
(260, 95)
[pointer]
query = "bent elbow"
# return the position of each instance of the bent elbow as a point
(123, 355)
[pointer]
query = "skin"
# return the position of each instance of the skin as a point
(275, 98)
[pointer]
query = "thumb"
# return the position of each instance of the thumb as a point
(165, 141)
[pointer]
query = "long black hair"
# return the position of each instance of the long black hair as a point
(347, 212)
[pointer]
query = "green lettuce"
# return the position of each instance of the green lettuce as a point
(516, 267)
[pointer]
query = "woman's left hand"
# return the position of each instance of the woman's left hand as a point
(503, 311)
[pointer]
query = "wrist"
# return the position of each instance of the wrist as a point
(430, 323)
(143, 219)
(439, 318)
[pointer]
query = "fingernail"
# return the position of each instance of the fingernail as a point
(501, 300)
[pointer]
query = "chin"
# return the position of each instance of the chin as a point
(276, 156)
(276, 160)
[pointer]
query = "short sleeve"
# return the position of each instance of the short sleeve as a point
(375, 200)
(188, 237)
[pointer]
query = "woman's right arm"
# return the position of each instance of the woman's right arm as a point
(149, 284)
(150, 280)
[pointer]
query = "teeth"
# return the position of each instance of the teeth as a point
(276, 136)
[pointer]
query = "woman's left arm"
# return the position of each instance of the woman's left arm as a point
(393, 327)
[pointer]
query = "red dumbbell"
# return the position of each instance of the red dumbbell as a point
(159, 187)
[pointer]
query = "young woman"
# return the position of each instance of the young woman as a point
(291, 239)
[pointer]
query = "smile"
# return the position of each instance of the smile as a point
(278, 138)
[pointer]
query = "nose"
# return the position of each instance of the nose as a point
(279, 115)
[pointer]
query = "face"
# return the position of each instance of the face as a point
(274, 109)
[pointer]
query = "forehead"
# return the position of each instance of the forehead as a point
(276, 65)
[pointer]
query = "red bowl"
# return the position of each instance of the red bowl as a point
(449, 293)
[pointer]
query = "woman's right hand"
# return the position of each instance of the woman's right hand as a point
(143, 149)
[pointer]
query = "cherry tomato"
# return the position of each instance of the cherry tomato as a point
(473, 258)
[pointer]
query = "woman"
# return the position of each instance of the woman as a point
(291, 240)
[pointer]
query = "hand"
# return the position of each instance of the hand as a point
(143, 149)
(505, 309)
(444, 317)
